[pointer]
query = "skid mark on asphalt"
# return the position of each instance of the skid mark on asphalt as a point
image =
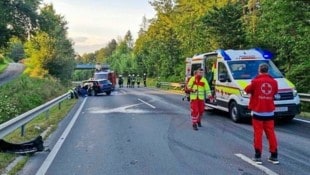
(122, 109)
(261, 167)
(147, 103)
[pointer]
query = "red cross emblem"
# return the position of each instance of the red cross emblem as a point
(266, 88)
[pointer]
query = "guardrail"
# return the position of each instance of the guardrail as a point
(170, 84)
(23, 119)
(303, 96)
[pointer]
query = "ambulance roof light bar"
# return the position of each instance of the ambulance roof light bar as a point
(255, 53)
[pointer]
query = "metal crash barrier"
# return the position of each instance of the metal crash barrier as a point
(20, 121)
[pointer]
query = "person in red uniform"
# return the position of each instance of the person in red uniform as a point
(263, 88)
(198, 88)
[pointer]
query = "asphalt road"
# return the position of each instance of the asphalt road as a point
(12, 71)
(148, 132)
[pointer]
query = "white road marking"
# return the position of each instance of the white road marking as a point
(261, 167)
(301, 120)
(51, 156)
(147, 103)
(123, 109)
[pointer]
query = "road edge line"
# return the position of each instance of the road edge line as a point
(260, 167)
(301, 120)
(51, 156)
(147, 103)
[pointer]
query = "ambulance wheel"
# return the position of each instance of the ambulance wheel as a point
(234, 112)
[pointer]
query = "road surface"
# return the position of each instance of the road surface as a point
(12, 71)
(148, 132)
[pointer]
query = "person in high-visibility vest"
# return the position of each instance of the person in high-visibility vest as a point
(199, 89)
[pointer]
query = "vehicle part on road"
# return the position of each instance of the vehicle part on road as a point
(30, 147)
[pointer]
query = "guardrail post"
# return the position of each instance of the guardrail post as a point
(22, 133)
(47, 114)
(59, 105)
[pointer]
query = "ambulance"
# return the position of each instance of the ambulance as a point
(228, 72)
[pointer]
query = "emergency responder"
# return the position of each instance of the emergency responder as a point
(120, 81)
(129, 81)
(144, 79)
(199, 89)
(263, 88)
(138, 79)
(133, 80)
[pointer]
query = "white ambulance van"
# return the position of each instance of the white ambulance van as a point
(230, 71)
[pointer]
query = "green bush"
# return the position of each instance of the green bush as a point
(25, 93)
(1, 59)
(305, 107)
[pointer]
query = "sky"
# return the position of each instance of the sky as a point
(93, 23)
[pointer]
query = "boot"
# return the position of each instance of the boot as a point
(257, 158)
(199, 124)
(195, 127)
(274, 158)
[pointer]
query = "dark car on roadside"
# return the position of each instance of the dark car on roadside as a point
(95, 87)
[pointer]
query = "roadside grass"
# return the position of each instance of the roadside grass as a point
(4, 63)
(33, 129)
(305, 115)
(25, 93)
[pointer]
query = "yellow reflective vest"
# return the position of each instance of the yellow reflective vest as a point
(199, 90)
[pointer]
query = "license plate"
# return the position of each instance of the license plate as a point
(281, 109)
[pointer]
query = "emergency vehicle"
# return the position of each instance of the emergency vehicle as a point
(228, 72)
(104, 72)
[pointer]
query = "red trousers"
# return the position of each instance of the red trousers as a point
(197, 109)
(268, 126)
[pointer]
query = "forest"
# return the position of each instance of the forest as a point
(33, 33)
(184, 28)
(180, 29)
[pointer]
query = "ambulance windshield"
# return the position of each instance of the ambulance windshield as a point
(248, 69)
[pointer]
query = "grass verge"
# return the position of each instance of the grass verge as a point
(32, 130)
(305, 115)
(4, 64)
(25, 93)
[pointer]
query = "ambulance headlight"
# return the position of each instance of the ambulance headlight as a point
(244, 94)
(295, 92)
(277, 97)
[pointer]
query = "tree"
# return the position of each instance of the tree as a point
(283, 27)
(128, 39)
(226, 26)
(17, 18)
(15, 50)
(61, 65)
(39, 50)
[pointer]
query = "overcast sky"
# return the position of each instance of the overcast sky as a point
(93, 23)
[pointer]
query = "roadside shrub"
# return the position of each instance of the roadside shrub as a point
(25, 93)
(1, 59)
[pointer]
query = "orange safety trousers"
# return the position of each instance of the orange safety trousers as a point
(268, 126)
(197, 109)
